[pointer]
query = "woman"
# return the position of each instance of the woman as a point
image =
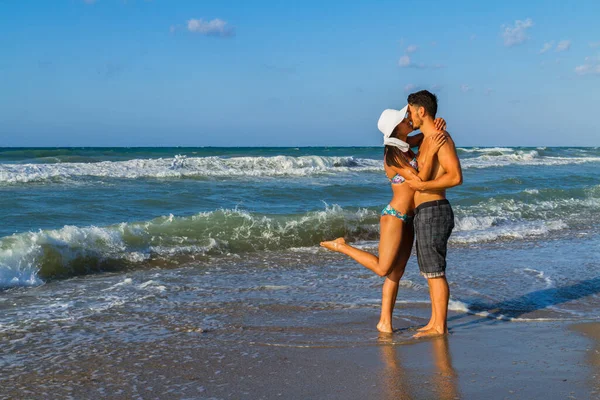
(396, 230)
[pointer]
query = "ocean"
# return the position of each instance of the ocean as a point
(208, 239)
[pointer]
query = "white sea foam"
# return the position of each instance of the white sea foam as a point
(522, 157)
(539, 275)
(511, 231)
(17, 264)
(457, 305)
(234, 232)
(486, 150)
(62, 251)
(182, 166)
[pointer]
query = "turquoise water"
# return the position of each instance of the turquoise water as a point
(107, 213)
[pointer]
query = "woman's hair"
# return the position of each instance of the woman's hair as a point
(393, 155)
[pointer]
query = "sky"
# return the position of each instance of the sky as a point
(295, 73)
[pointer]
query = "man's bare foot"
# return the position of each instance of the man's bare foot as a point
(385, 327)
(433, 332)
(334, 245)
(426, 327)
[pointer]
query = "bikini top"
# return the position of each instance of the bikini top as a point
(398, 179)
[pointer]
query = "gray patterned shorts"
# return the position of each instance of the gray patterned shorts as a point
(434, 221)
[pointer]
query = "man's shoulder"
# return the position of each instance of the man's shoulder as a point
(449, 139)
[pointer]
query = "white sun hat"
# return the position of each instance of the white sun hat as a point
(388, 121)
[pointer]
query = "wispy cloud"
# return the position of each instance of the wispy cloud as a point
(216, 27)
(547, 47)
(563, 45)
(517, 34)
(406, 62)
(465, 88)
(411, 49)
(593, 45)
(590, 67)
(488, 91)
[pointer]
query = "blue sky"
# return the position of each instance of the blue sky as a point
(294, 73)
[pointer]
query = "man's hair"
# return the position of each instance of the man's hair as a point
(425, 99)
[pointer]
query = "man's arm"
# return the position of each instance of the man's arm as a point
(448, 159)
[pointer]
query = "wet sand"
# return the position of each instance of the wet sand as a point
(481, 359)
(592, 332)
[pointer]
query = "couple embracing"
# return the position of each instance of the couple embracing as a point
(418, 208)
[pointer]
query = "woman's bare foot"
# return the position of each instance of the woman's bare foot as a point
(384, 327)
(334, 245)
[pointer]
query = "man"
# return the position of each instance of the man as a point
(434, 219)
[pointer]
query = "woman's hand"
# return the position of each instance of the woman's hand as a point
(412, 177)
(440, 124)
(437, 141)
(416, 184)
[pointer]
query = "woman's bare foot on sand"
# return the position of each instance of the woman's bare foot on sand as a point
(334, 245)
(385, 327)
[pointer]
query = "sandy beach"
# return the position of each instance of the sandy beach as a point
(213, 200)
(481, 359)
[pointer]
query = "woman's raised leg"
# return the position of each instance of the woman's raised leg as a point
(390, 236)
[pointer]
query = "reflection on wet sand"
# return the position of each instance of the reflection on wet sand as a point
(405, 383)
(444, 381)
(592, 331)
(396, 383)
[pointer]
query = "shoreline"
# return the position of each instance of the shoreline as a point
(481, 358)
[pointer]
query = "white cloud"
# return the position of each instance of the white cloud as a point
(404, 61)
(488, 91)
(563, 45)
(436, 87)
(547, 46)
(517, 34)
(591, 67)
(465, 88)
(411, 49)
(215, 27)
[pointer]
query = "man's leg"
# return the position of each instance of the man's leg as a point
(440, 295)
(432, 251)
(432, 318)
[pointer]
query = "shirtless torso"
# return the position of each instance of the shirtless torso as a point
(437, 170)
